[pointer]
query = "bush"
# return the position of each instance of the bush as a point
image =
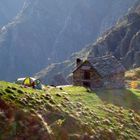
(138, 74)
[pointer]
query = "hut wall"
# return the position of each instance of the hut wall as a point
(79, 79)
(114, 81)
(96, 81)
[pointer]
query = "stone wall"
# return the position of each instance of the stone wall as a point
(109, 82)
(95, 80)
(114, 81)
(78, 77)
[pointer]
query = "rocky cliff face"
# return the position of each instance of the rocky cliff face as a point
(122, 40)
(50, 31)
(8, 10)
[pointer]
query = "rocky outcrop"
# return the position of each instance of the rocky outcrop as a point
(50, 31)
(122, 41)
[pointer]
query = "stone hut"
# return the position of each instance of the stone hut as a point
(101, 72)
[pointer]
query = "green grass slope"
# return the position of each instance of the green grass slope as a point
(68, 113)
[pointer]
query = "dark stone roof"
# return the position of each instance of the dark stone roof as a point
(106, 65)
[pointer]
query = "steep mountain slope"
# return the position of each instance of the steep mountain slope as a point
(122, 40)
(70, 113)
(8, 10)
(50, 31)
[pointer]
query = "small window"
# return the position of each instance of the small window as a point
(86, 75)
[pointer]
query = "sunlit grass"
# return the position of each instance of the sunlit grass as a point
(98, 110)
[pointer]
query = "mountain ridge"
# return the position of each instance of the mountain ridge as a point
(9, 10)
(122, 41)
(38, 37)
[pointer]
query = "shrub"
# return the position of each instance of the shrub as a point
(137, 73)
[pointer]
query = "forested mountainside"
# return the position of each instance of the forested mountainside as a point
(122, 41)
(9, 9)
(49, 31)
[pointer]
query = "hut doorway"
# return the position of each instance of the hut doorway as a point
(86, 84)
(86, 75)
